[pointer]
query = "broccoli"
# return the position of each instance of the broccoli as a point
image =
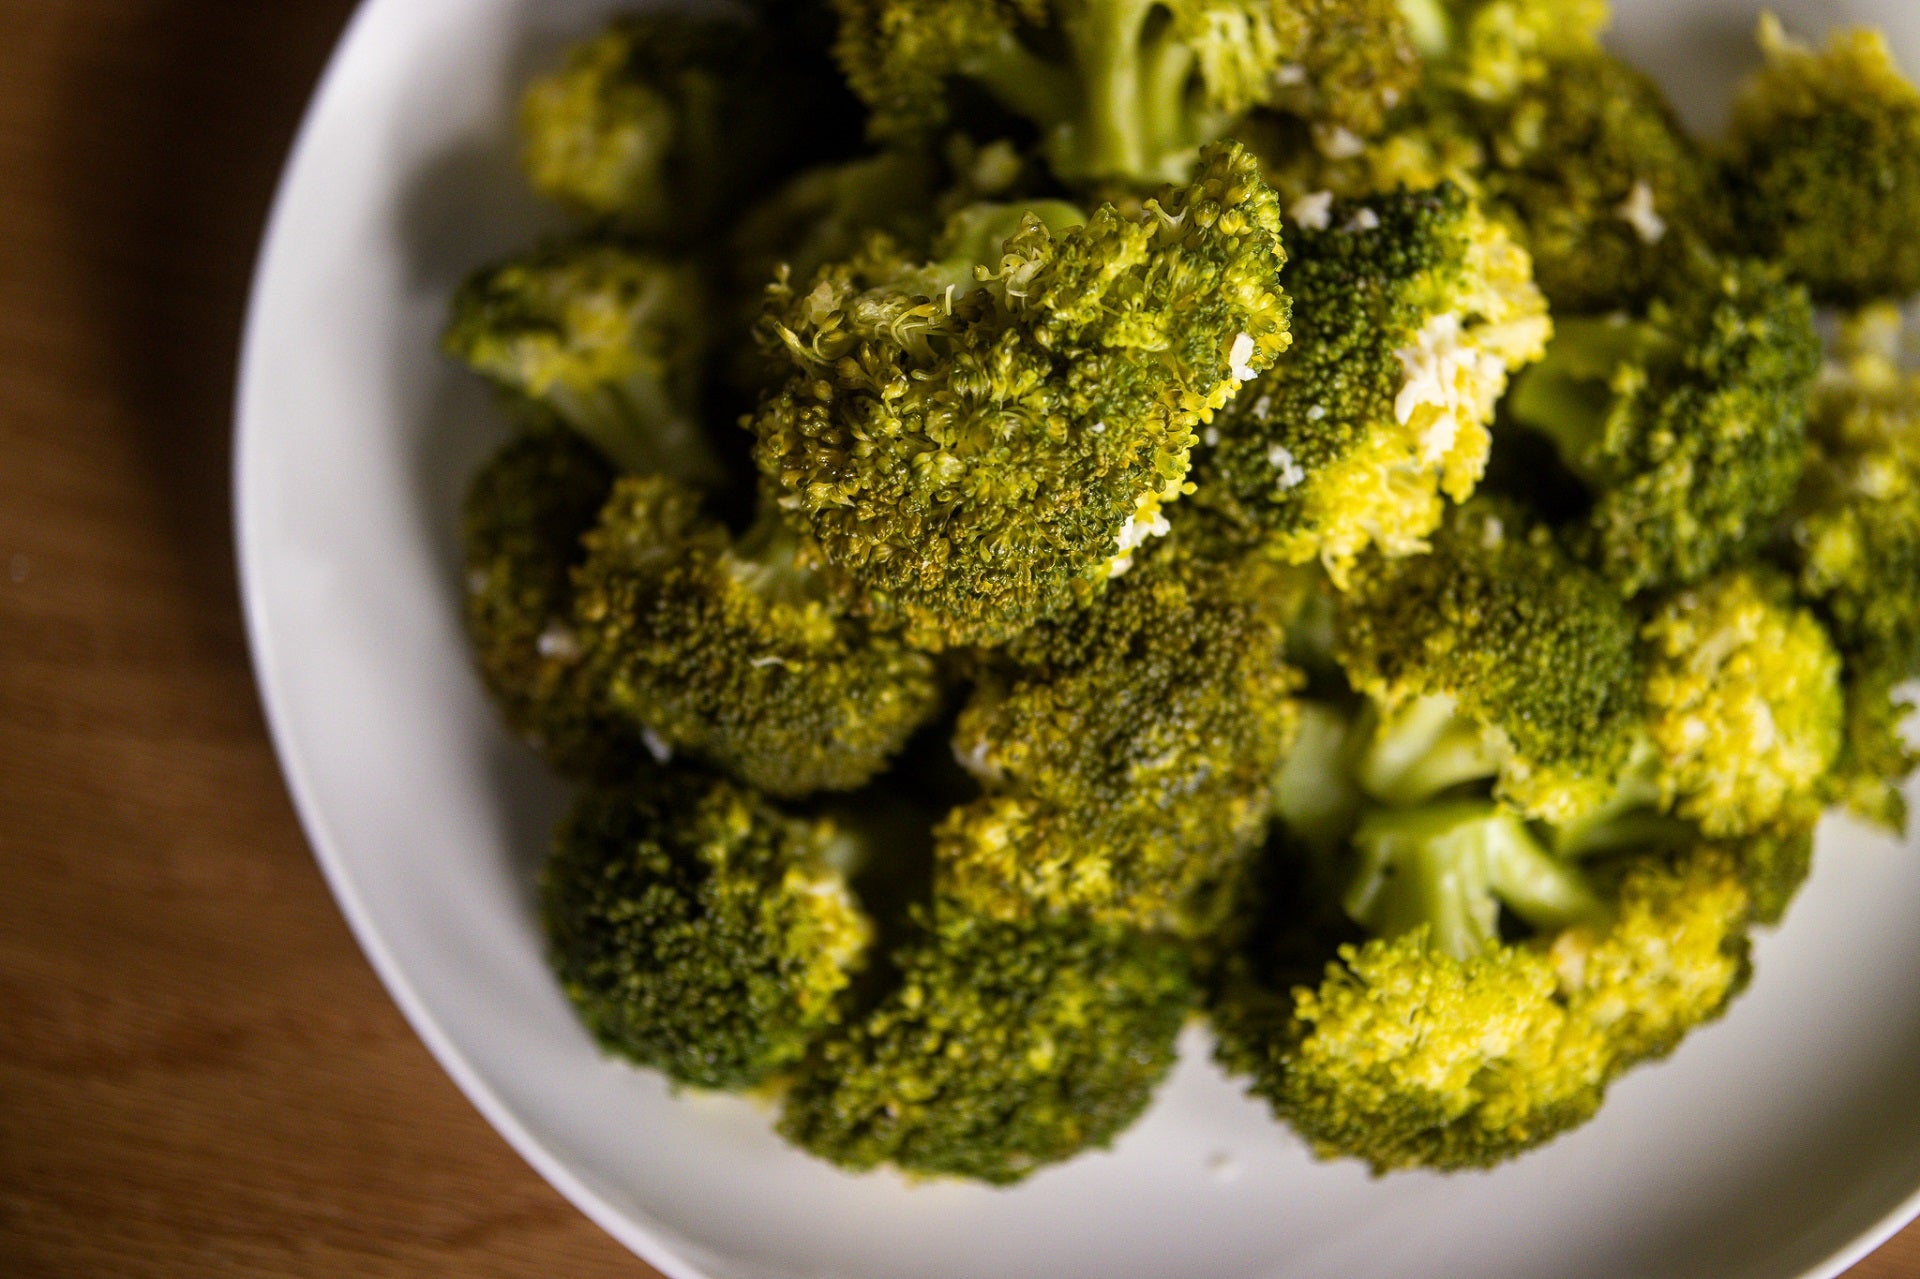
(665, 121)
(1002, 1047)
(1686, 424)
(1853, 543)
(740, 651)
(525, 514)
(1823, 165)
(700, 930)
(1449, 867)
(1744, 702)
(1598, 180)
(1490, 50)
(1124, 89)
(1146, 728)
(1495, 656)
(1407, 1054)
(610, 341)
(1577, 154)
(979, 442)
(1855, 529)
(1410, 310)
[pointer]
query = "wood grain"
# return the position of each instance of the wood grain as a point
(199, 1075)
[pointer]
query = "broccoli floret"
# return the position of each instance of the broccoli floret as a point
(1410, 310)
(1490, 50)
(1855, 536)
(1744, 702)
(1124, 89)
(1687, 424)
(609, 341)
(1151, 722)
(661, 124)
(740, 651)
(979, 446)
(521, 531)
(1598, 180)
(1533, 653)
(1581, 159)
(1823, 165)
(1003, 1047)
(1406, 1055)
(700, 930)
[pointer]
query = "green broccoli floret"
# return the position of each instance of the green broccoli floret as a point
(1124, 89)
(1823, 165)
(1493, 656)
(1744, 703)
(521, 529)
(980, 441)
(1407, 1055)
(1577, 154)
(665, 121)
(1598, 180)
(1002, 1048)
(1687, 424)
(740, 651)
(1150, 723)
(610, 341)
(1490, 50)
(1410, 310)
(700, 930)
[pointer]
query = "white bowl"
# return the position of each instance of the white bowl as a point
(1783, 1141)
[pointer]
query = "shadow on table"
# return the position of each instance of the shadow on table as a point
(178, 114)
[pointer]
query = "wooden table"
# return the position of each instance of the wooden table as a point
(199, 1074)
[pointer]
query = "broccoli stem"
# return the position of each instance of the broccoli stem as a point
(1571, 393)
(1313, 791)
(1449, 868)
(1428, 26)
(768, 559)
(1423, 748)
(1631, 818)
(639, 427)
(1120, 107)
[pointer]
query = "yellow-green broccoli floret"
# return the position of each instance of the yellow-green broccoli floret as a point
(1824, 165)
(610, 341)
(521, 529)
(1123, 89)
(978, 442)
(1490, 50)
(739, 651)
(1856, 521)
(1495, 656)
(1003, 1047)
(1406, 1055)
(1854, 545)
(1687, 424)
(1151, 722)
(1743, 702)
(700, 930)
(662, 123)
(1410, 311)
